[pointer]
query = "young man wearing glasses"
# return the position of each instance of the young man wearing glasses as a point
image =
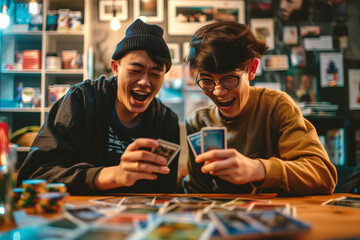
(271, 147)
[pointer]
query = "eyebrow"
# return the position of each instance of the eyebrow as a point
(157, 67)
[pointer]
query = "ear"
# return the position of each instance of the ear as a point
(114, 67)
(252, 69)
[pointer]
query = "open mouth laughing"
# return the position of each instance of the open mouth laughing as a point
(140, 96)
(226, 103)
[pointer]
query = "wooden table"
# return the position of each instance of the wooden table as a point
(326, 222)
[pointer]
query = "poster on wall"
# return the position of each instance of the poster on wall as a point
(331, 70)
(187, 16)
(106, 10)
(263, 29)
(354, 89)
(152, 10)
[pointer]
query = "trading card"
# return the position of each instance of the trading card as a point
(259, 207)
(274, 221)
(142, 200)
(141, 209)
(169, 228)
(167, 149)
(355, 199)
(244, 203)
(63, 223)
(162, 200)
(195, 143)
(342, 203)
(103, 233)
(193, 200)
(213, 138)
(114, 201)
(235, 223)
(85, 214)
(184, 207)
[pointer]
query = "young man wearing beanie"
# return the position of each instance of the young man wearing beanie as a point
(97, 136)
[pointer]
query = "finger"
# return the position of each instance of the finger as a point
(143, 155)
(144, 167)
(142, 143)
(215, 154)
(216, 166)
(143, 175)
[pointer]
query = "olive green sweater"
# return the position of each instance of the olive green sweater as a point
(272, 130)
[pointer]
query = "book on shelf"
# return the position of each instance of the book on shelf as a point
(334, 145)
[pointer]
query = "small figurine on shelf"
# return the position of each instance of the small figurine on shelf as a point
(19, 92)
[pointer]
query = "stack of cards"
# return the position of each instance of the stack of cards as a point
(207, 139)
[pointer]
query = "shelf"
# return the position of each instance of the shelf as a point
(20, 110)
(22, 32)
(64, 71)
(21, 71)
(67, 33)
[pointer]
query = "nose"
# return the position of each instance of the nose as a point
(144, 80)
(218, 89)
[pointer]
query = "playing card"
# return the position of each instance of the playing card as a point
(259, 207)
(113, 201)
(213, 138)
(85, 214)
(195, 143)
(138, 200)
(170, 228)
(167, 149)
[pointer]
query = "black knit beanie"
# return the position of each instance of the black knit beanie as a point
(143, 36)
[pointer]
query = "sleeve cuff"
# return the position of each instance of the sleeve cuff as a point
(90, 177)
(273, 174)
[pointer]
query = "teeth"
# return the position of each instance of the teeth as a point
(140, 93)
(225, 101)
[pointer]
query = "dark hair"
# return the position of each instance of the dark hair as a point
(224, 46)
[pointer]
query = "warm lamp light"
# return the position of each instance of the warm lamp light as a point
(115, 22)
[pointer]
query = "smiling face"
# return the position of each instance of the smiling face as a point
(139, 79)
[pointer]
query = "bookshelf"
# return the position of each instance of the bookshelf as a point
(17, 38)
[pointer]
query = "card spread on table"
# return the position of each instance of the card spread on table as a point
(166, 149)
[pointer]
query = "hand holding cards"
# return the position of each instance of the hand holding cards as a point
(207, 139)
(166, 149)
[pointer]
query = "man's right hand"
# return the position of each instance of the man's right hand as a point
(135, 164)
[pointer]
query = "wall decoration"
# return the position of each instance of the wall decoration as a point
(261, 9)
(290, 35)
(324, 42)
(106, 10)
(275, 62)
(153, 10)
(293, 11)
(354, 89)
(331, 70)
(310, 31)
(263, 29)
(174, 52)
(298, 56)
(186, 16)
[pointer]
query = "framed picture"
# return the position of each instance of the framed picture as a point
(153, 10)
(290, 35)
(106, 10)
(174, 52)
(331, 70)
(298, 56)
(354, 89)
(186, 16)
(263, 29)
(275, 62)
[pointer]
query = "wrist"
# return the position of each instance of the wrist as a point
(259, 171)
(106, 178)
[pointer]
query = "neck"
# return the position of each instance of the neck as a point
(128, 119)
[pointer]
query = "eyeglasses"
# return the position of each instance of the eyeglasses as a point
(227, 82)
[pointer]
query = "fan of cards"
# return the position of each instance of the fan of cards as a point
(146, 217)
(206, 139)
